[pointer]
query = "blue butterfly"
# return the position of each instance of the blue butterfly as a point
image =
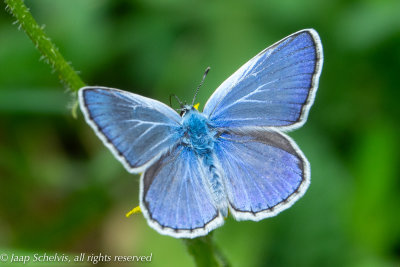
(231, 157)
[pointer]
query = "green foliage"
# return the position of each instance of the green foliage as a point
(62, 191)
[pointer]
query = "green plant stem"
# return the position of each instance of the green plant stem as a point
(49, 51)
(205, 252)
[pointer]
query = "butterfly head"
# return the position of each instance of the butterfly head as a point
(185, 109)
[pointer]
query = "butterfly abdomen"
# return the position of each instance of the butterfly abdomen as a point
(215, 182)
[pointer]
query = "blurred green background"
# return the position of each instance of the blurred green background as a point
(62, 191)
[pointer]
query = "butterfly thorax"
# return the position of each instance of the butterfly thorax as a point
(197, 133)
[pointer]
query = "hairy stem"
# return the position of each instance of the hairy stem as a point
(49, 51)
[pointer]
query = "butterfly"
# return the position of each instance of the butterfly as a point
(231, 158)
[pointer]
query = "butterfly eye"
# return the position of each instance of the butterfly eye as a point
(185, 109)
(182, 111)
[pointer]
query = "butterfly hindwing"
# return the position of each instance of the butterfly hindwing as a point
(135, 128)
(174, 197)
(265, 172)
(276, 88)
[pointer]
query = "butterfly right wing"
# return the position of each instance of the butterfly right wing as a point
(175, 198)
(136, 129)
(276, 88)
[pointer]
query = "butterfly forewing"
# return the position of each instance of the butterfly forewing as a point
(274, 89)
(135, 128)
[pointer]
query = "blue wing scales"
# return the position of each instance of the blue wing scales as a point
(264, 172)
(274, 89)
(174, 197)
(135, 128)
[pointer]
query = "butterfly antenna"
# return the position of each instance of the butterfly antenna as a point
(177, 99)
(202, 81)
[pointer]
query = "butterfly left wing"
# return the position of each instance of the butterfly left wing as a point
(276, 88)
(136, 129)
(175, 198)
(264, 172)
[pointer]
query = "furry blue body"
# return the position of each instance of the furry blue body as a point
(200, 137)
